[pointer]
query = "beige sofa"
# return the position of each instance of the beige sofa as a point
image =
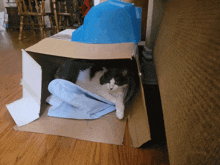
(187, 59)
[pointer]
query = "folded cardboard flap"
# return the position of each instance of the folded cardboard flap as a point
(31, 82)
(48, 54)
(58, 47)
(20, 111)
(31, 77)
(138, 123)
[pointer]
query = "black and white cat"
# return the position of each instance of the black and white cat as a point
(112, 80)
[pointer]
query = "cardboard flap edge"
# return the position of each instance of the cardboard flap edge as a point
(138, 123)
(70, 49)
(31, 78)
(21, 113)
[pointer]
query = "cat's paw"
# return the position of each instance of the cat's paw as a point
(119, 115)
(120, 110)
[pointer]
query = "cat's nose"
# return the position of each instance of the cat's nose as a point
(111, 88)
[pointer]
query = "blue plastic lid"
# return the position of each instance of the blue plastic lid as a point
(109, 22)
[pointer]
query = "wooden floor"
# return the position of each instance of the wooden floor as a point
(24, 148)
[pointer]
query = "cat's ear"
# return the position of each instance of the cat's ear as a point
(124, 72)
(104, 69)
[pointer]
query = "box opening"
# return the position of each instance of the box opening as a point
(40, 63)
(49, 65)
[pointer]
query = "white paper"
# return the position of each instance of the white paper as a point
(24, 111)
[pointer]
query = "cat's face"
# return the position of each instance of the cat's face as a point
(113, 78)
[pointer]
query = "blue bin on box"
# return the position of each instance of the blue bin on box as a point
(110, 22)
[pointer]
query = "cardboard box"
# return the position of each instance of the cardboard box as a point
(39, 64)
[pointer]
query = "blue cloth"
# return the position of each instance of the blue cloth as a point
(71, 101)
(112, 21)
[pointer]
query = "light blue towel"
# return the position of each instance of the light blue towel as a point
(71, 101)
(109, 22)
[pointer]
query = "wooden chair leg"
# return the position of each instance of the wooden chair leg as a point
(41, 24)
(51, 25)
(60, 23)
(32, 24)
(68, 22)
(21, 27)
(79, 21)
(55, 15)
